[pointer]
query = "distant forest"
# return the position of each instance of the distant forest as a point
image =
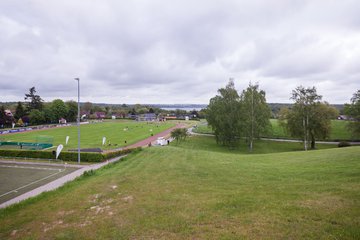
(275, 107)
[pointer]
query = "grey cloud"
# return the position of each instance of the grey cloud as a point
(148, 51)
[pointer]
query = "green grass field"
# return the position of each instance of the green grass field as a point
(208, 143)
(92, 134)
(338, 130)
(181, 192)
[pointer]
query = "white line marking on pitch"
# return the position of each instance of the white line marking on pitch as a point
(15, 190)
(37, 168)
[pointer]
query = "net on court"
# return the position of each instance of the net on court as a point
(20, 177)
(44, 139)
(24, 145)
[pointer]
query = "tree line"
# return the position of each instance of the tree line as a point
(35, 111)
(235, 116)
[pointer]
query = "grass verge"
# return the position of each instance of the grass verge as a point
(182, 193)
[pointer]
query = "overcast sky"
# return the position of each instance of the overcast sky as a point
(165, 51)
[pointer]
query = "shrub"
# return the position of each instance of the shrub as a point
(344, 144)
(66, 156)
(117, 153)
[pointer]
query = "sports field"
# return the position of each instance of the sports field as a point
(17, 178)
(117, 133)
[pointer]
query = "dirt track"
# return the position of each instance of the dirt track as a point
(151, 139)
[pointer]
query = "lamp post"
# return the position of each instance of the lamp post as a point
(78, 118)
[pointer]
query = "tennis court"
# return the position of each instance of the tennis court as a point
(17, 178)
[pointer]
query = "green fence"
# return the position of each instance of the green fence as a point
(27, 145)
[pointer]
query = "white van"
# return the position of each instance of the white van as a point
(161, 141)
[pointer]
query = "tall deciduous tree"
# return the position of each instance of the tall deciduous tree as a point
(87, 107)
(2, 116)
(223, 115)
(255, 114)
(309, 118)
(353, 111)
(59, 109)
(179, 134)
(72, 111)
(20, 111)
(36, 117)
(34, 101)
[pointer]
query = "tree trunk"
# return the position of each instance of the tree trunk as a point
(312, 141)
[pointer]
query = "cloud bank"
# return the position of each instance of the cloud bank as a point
(177, 51)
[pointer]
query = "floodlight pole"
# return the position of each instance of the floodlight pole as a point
(78, 119)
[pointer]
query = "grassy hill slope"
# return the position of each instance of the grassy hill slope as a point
(181, 193)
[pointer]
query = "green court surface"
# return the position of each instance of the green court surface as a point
(18, 178)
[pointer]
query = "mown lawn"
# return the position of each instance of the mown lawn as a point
(338, 130)
(92, 134)
(183, 193)
(208, 143)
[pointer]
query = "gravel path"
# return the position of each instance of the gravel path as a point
(152, 139)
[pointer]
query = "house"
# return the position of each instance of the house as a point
(149, 117)
(8, 113)
(62, 121)
(100, 114)
(343, 117)
(170, 118)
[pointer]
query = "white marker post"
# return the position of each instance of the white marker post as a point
(104, 140)
(67, 140)
(58, 150)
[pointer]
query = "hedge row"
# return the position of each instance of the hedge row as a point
(66, 156)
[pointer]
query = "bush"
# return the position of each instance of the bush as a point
(117, 153)
(66, 156)
(344, 144)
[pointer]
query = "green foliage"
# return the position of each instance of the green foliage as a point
(89, 173)
(179, 134)
(117, 153)
(353, 111)
(308, 119)
(59, 110)
(20, 122)
(67, 156)
(36, 117)
(34, 101)
(344, 144)
(255, 114)
(20, 111)
(231, 116)
(71, 115)
(223, 115)
(2, 116)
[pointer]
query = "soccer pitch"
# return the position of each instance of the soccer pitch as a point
(17, 178)
(118, 134)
